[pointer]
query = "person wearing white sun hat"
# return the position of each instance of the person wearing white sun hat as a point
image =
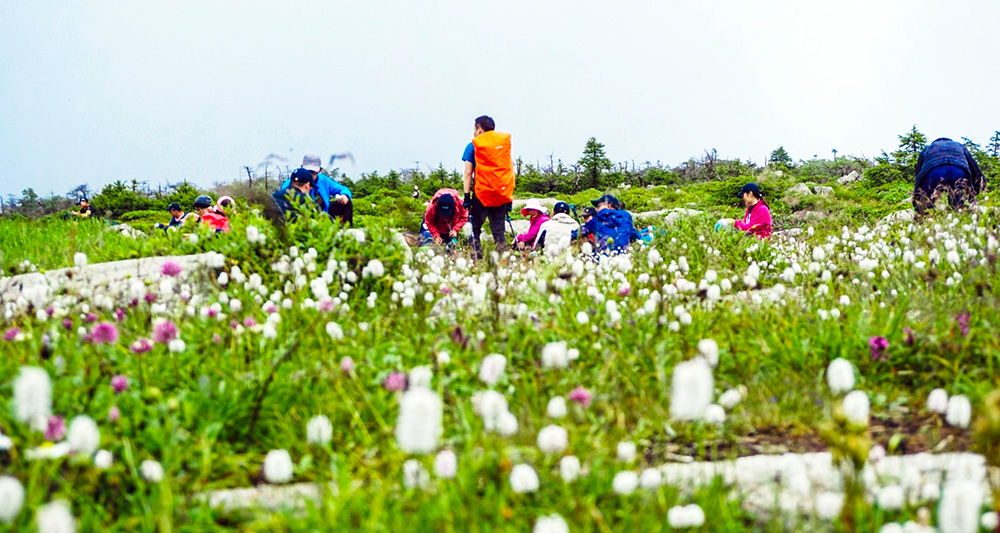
(538, 214)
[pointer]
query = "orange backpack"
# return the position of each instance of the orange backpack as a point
(494, 169)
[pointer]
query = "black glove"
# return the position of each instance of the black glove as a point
(510, 206)
(467, 202)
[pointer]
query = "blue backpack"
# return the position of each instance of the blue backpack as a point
(612, 230)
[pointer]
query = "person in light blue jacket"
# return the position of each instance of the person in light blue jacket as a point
(336, 198)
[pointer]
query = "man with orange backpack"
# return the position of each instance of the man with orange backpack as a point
(488, 181)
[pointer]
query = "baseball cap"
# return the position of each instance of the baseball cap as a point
(203, 201)
(446, 205)
(302, 175)
(560, 207)
(607, 198)
(589, 212)
(174, 207)
(750, 187)
(312, 162)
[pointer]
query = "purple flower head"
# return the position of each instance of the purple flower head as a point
(141, 345)
(395, 382)
(347, 365)
(150, 297)
(56, 428)
(878, 346)
(170, 268)
(963, 323)
(11, 334)
(249, 322)
(119, 315)
(909, 336)
(445, 290)
(164, 332)
(269, 307)
(133, 302)
(105, 333)
(234, 324)
(580, 395)
(624, 291)
(50, 310)
(326, 305)
(114, 413)
(119, 383)
(91, 317)
(216, 338)
(67, 323)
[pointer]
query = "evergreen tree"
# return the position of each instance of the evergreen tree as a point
(780, 158)
(593, 162)
(994, 147)
(913, 141)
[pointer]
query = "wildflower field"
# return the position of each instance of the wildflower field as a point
(705, 381)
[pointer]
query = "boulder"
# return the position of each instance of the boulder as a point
(806, 216)
(849, 179)
(800, 189)
(905, 215)
(823, 191)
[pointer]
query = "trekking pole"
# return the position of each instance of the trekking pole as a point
(576, 217)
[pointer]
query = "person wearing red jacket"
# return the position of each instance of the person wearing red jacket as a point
(757, 219)
(445, 217)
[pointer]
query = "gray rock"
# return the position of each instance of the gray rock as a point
(823, 191)
(800, 189)
(905, 215)
(849, 179)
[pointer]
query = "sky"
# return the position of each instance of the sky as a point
(158, 91)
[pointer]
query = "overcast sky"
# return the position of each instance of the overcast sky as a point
(95, 91)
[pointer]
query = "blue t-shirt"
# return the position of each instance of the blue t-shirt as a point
(470, 155)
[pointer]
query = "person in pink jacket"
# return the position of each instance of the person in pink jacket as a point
(444, 217)
(757, 219)
(538, 215)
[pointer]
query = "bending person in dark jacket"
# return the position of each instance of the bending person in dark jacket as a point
(612, 229)
(946, 166)
(298, 195)
(336, 198)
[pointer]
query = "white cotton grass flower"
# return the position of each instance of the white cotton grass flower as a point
(840, 375)
(11, 498)
(651, 479)
(418, 427)
(731, 398)
(829, 504)
(890, 497)
(491, 368)
(937, 401)
(685, 516)
(491, 406)
(625, 482)
(176, 346)
(445, 464)
(555, 355)
(415, 476)
(334, 330)
(856, 407)
(507, 425)
(55, 451)
(989, 521)
(556, 407)
(961, 501)
(691, 390)
(553, 439)
(582, 317)
(278, 467)
(552, 523)
(55, 517)
(83, 435)
(103, 459)
(420, 376)
(891, 527)
(80, 259)
(709, 349)
(374, 268)
(959, 411)
(569, 468)
(33, 397)
(151, 471)
(715, 415)
(523, 479)
(626, 451)
(319, 430)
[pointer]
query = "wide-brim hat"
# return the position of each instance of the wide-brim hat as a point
(533, 204)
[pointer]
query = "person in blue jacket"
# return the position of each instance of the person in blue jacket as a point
(298, 195)
(336, 198)
(611, 228)
(946, 166)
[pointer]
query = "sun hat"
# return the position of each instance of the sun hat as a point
(203, 201)
(533, 204)
(174, 207)
(312, 162)
(446, 205)
(302, 175)
(750, 187)
(225, 201)
(560, 207)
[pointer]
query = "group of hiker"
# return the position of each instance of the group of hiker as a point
(488, 182)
